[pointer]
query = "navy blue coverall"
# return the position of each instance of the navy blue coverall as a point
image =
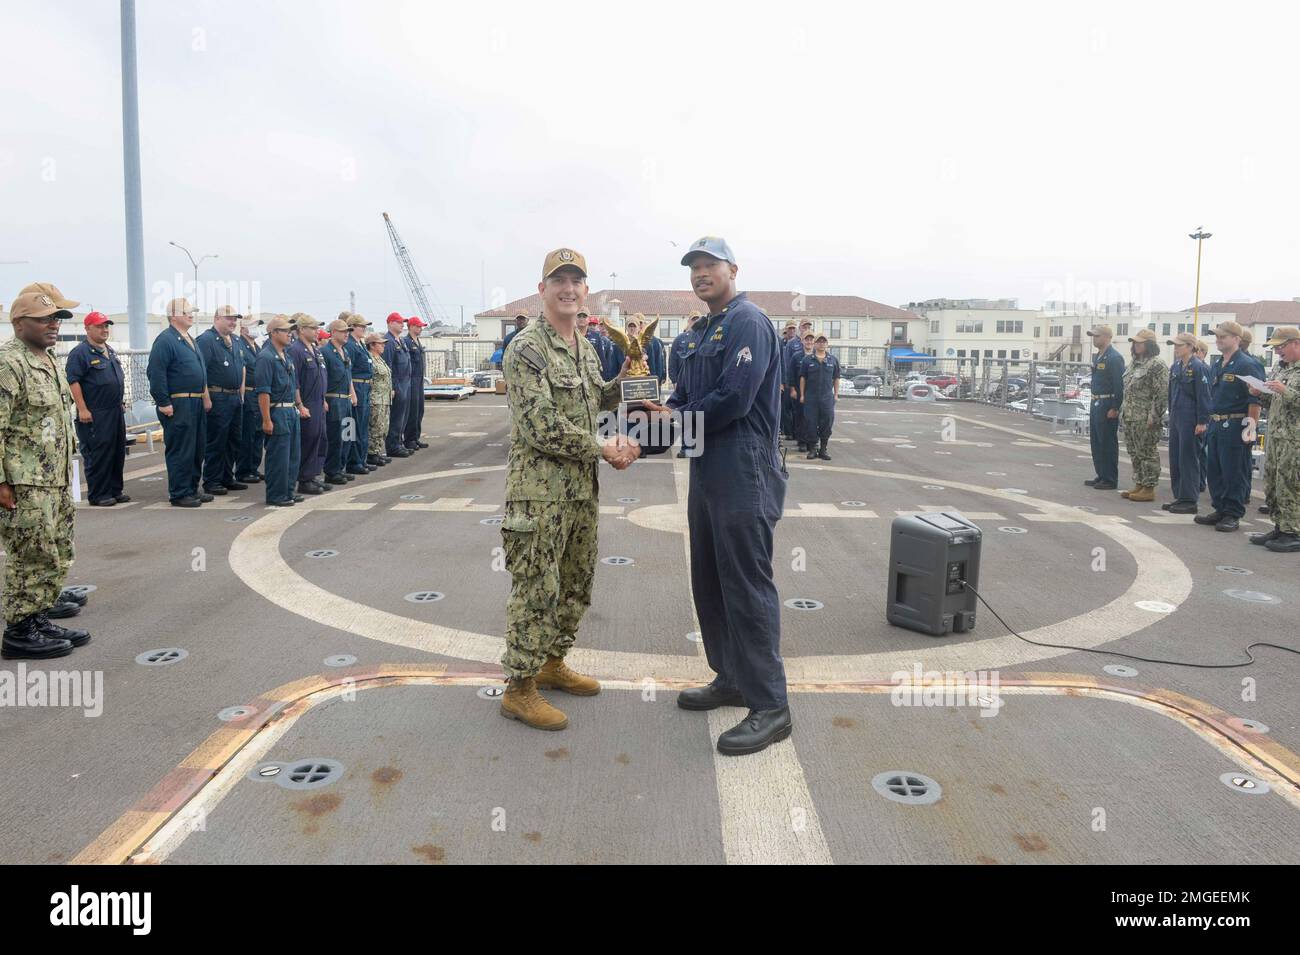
(309, 367)
(361, 375)
(103, 439)
(1107, 396)
(274, 375)
(251, 438)
(732, 378)
(177, 378)
(820, 379)
(338, 395)
(793, 361)
(398, 360)
(1189, 406)
(225, 371)
(1228, 464)
(414, 394)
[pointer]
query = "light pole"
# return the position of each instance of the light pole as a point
(1200, 236)
(201, 259)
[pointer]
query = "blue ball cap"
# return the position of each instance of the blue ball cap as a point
(713, 245)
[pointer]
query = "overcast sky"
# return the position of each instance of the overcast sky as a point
(899, 151)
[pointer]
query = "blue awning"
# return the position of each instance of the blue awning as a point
(907, 354)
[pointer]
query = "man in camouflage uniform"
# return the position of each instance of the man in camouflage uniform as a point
(36, 446)
(1146, 395)
(381, 399)
(1282, 461)
(556, 389)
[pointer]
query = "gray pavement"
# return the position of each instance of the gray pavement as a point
(427, 762)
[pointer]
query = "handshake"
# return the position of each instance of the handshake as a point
(620, 451)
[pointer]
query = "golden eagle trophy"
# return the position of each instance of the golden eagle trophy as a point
(639, 385)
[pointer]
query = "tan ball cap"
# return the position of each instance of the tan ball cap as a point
(180, 306)
(52, 290)
(561, 258)
(1143, 335)
(1184, 338)
(1228, 328)
(1287, 333)
(36, 305)
(357, 321)
(1104, 330)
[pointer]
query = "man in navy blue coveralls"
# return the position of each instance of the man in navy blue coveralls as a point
(732, 380)
(98, 385)
(1189, 419)
(224, 365)
(1103, 417)
(398, 360)
(178, 384)
(1227, 453)
(276, 384)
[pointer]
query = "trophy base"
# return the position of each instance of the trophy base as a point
(637, 391)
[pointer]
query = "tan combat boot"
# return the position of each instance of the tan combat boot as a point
(1141, 493)
(556, 675)
(522, 702)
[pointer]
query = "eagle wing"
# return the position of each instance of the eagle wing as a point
(617, 337)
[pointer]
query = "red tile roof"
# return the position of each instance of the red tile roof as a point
(1267, 312)
(653, 302)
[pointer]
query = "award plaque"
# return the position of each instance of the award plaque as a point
(639, 389)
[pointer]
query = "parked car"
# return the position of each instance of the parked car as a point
(941, 381)
(485, 379)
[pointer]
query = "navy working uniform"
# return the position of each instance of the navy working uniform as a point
(598, 342)
(819, 380)
(398, 360)
(251, 438)
(414, 395)
(1228, 465)
(225, 372)
(737, 494)
(178, 378)
(275, 376)
(793, 359)
(681, 345)
(1189, 406)
(612, 360)
(338, 394)
(103, 439)
(787, 403)
(361, 374)
(654, 357)
(1103, 430)
(309, 367)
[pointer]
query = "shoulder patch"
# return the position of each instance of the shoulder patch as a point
(530, 355)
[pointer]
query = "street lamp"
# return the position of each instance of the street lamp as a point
(1200, 236)
(201, 259)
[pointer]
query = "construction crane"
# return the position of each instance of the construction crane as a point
(412, 277)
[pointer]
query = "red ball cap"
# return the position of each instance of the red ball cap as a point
(416, 321)
(97, 318)
(395, 317)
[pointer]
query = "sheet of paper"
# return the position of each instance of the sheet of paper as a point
(76, 480)
(1253, 382)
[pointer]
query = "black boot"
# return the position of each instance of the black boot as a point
(709, 697)
(52, 631)
(1211, 518)
(308, 487)
(72, 596)
(1265, 538)
(22, 641)
(1284, 544)
(63, 608)
(812, 455)
(822, 453)
(757, 731)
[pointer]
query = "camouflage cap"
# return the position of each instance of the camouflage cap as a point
(36, 305)
(52, 290)
(1280, 336)
(1104, 330)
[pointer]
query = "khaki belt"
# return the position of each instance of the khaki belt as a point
(283, 404)
(1225, 417)
(359, 378)
(335, 394)
(188, 394)
(212, 389)
(1099, 397)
